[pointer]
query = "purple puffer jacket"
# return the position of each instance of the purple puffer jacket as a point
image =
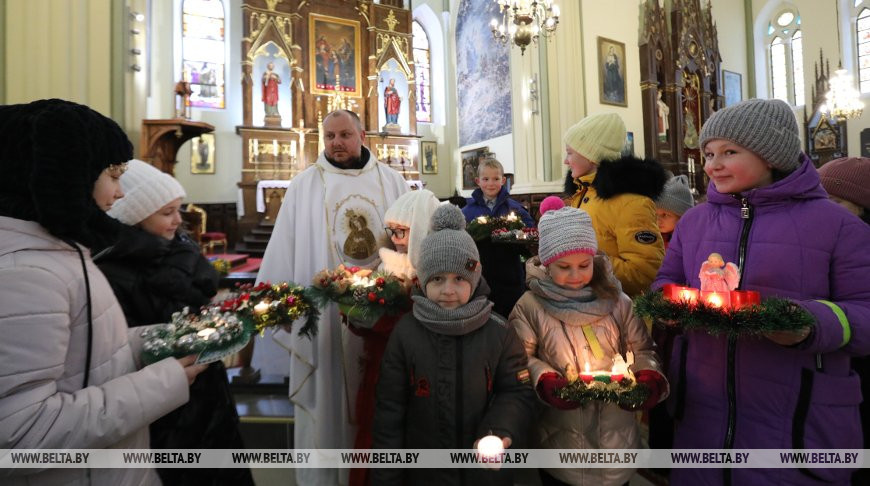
(799, 246)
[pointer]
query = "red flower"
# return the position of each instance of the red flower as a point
(244, 297)
(381, 301)
(372, 296)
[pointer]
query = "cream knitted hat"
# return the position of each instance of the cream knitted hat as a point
(146, 190)
(597, 137)
(564, 232)
(449, 248)
(414, 209)
(676, 197)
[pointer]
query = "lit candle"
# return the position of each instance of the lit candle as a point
(481, 219)
(261, 308)
(490, 446)
(718, 300)
(744, 298)
(511, 217)
(586, 375)
(619, 368)
(688, 295)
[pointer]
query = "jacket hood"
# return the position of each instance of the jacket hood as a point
(18, 235)
(371, 163)
(802, 184)
(630, 175)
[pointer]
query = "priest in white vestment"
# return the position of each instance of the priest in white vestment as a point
(333, 212)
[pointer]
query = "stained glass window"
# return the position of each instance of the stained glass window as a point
(202, 51)
(863, 31)
(785, 57)
(422, 73)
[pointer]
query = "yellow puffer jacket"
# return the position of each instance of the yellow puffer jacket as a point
(626, 228)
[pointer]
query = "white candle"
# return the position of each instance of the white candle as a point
(512, 216)
(293, 148)
(256, 148)
(275, 147)
(481, 219)
(261, 308)
(490, 446)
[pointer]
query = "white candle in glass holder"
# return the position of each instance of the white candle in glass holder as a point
(490, 446)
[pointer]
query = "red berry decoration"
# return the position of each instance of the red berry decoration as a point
(381, 301)
(379, 282)
(372, 297)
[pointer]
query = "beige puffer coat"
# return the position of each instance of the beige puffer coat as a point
(551, 347)
(44, 329)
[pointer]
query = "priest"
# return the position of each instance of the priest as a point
(333, 212)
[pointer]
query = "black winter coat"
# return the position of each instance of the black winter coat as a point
(464, 388)
(153, 277)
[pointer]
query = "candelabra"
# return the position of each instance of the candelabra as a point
(523, 21)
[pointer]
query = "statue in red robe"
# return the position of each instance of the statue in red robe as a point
(270, 83)
(392, 103)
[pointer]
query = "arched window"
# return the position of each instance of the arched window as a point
(422, 73)
(863, 38)
(202, 51)
(785, 57)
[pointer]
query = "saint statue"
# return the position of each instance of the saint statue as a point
(663, 111)
(270, 83)
(392, 103)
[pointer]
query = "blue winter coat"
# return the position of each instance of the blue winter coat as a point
(502, 268)
(750, 393)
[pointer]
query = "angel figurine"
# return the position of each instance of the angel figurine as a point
(718, 276)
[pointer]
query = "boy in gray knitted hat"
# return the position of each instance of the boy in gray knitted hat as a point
(675, 200)
(453, 372)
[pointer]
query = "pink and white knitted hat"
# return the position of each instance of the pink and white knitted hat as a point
(563, 232)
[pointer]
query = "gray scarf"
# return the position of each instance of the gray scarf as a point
(453, 322)
(569, 305)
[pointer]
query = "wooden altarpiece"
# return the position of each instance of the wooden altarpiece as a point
(323, 76)
(825, 135)
(680, 83)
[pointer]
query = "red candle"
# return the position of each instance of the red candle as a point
(669, 291)
(687, 295)
(744, 298)
(719, 300)
(587, 375)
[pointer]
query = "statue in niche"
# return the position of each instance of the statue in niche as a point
(269, 84)
(691, 138)
(392, 103)
(662, 110)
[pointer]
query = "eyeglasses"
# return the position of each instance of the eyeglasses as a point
(397, 232)
(116, 170)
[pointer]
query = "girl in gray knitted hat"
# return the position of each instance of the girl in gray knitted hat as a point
(453, 372)
(674, 201)
(575, 317)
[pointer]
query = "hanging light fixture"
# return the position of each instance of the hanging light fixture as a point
(523, 21)
(842, 101)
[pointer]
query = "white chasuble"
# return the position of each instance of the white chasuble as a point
(329, 216)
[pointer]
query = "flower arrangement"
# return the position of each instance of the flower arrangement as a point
(222, 328)
(361, 294)
(483, 227)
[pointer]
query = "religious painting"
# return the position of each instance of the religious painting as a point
(482, 75)
(611, 72)
(355, 222)
(202, 154)
(334, 53)
(824, 137)
(732, 86)
(429, 153)
(470, 161)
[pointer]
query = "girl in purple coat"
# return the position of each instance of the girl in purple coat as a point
(767, 212)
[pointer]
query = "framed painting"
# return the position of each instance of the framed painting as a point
(470, 161)
(731, 82)
(202, 154)
(611, 72)
(429, 151)
(334, 55)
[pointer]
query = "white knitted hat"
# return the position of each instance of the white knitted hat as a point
(414, 209)
(564, 232)
(597, 137)
(146, 190)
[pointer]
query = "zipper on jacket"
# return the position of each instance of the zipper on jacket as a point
(747, 214)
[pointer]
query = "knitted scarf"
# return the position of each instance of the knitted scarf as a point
(454, 322)
(569, 305)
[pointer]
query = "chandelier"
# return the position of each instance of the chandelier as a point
(523, 21)
(842, 101)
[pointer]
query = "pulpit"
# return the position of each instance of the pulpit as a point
(161, 139)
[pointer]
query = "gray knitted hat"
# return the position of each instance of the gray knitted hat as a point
(449, 248)
(676, 196)
(563, 232)
(766, 127)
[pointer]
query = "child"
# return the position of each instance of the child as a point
(155, 270)
(574, 315)
(674, 201)
(453, 372)
(767, 212)
(68, 377)
(407, 221)
(503, 269)
(618, 194)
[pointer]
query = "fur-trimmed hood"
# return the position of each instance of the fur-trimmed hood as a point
(626, 175)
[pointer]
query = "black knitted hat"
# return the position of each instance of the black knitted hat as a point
(51, 154)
